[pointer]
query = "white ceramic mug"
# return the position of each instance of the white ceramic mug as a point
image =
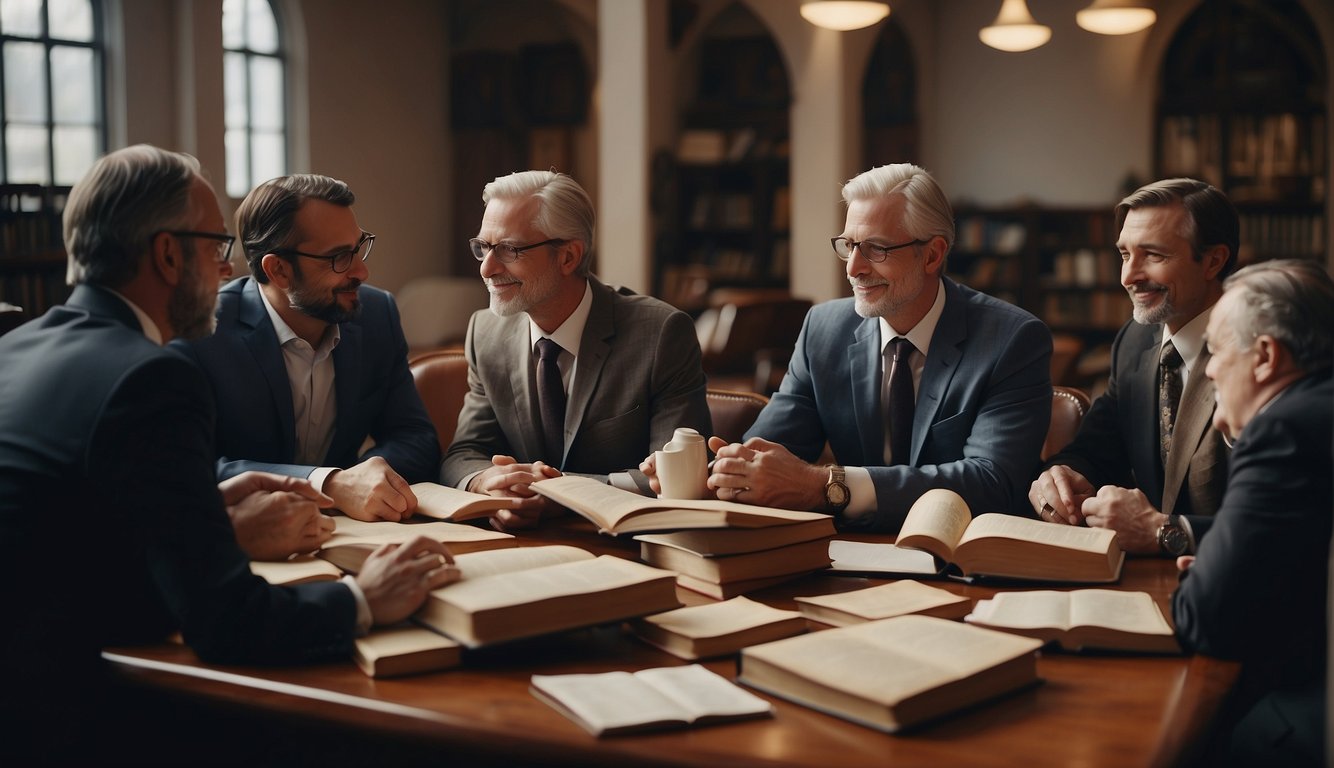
(683, 466)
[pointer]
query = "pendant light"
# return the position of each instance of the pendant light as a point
(1015, 29)
(1116, 17)
(843, 15)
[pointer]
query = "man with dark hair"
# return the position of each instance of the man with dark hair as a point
(114, 527)
(308, 361)
(1146, 462)
(1257, 591)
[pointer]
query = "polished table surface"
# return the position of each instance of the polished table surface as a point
(1091, 709)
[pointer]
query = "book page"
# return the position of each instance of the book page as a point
(935, 522)
(475, 565)
(717, 619)
(298, 570)
(609, 700)
(703, 693)
(868, 557)
(1027, 529)
(1041, 609)
(472, 594)
(1116, 609)
(886, 600)
(445, 503)
(349, 531)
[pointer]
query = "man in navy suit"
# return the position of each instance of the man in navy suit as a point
(308, 361)
(110, 512)
(1257, 590)
(972, 398)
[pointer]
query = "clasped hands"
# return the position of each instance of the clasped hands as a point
(508, 478)
(757, 472)
(1062, 495)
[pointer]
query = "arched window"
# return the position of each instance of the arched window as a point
(254, 76)
(53, 107)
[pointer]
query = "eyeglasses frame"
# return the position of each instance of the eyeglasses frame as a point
(367, 239)
(884, 250)
(518, 250)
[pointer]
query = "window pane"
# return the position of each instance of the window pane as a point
(262, 34)
(25, 82)
(21, 17)
(270, 158)
(266, 96)
(234, 86)
(238, 178)
(71, 19)
(76, 149)
(27, 154)
(233, 24)
(74, 99)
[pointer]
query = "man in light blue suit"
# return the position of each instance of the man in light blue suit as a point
(971, 386)
(308, 362)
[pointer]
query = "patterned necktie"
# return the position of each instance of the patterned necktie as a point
(551, 401)
(898, 400)
(1169, 396)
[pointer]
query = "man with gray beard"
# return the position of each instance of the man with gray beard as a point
(1147, 461)
(915, 383)
(565, 374)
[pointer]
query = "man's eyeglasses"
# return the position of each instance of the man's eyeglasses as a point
(339, 262)
(224, 240)
(505, 252)
(872, 252)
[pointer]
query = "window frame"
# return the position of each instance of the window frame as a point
(283, 56)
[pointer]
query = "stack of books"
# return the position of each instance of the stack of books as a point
(726, 562)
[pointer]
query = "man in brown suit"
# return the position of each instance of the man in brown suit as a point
(1147, 461)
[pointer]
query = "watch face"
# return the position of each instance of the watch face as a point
(836, 494)
(1173, 540)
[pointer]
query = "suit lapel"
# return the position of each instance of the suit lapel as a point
(262, 341)
(1194, 415)
(594, 346)
(524, 411)
(864, 360)
(347, 357)
(942, 361)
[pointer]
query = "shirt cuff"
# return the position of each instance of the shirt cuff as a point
(364, 618)
(319, 475)
(463, 484)
(861, 491)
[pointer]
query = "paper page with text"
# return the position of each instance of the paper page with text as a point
(1025, 529)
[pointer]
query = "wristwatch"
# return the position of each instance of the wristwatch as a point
(836, 494)
(1172, 538)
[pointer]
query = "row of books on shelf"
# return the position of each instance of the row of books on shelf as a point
(851, 666)
(1101, 308)
(1278, 156)
(1085, 268)
(729, 210)
(709, 146)
(34, 286)
(743, 264)
(977, 232)
(1269, 235)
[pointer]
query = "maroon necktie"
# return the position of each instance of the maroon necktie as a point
(551, 401)
(899, 400)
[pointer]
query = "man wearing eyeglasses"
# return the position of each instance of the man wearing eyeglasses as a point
(565, 374)
(915, 383)
(308, 361)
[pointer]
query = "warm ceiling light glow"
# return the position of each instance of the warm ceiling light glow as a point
(1116, 17)
(1015, 29)
(843, 15)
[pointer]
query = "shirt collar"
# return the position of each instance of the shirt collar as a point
(146, 323)
(1189, 341)
(920, 334)
(285, 332)
(570, 332)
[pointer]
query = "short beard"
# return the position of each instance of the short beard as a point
(328, 310)
(190, 309)
(1152, 315)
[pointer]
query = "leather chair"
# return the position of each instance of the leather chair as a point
(1068, 407)
(733, 412)
(11, 317)
(441, 377)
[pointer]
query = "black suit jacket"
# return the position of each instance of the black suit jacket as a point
(113, 527)
(1258, 589)
(376, 396)
(1117, 443)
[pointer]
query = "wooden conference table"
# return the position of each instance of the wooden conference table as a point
(1091, 709)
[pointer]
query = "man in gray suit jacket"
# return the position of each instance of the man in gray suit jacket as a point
(915, 383)
(620, 372)
(1178, 241)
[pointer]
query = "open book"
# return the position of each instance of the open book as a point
(301, 569)
(882, 602)
(893, 673)
(615, 511)
(353, 540)
(1092, 618)
(1009, 546)
(666, 697)
(507, 594)
(717, 629)
(444, 503)
(404, 650)
(794, 558)
(863, 557)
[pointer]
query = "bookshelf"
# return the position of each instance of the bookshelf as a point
(1058, 263)
(1248, 115)
(32, 257)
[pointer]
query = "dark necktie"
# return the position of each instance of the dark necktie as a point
(551, 401)
(898, 400)
(1169, 396)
